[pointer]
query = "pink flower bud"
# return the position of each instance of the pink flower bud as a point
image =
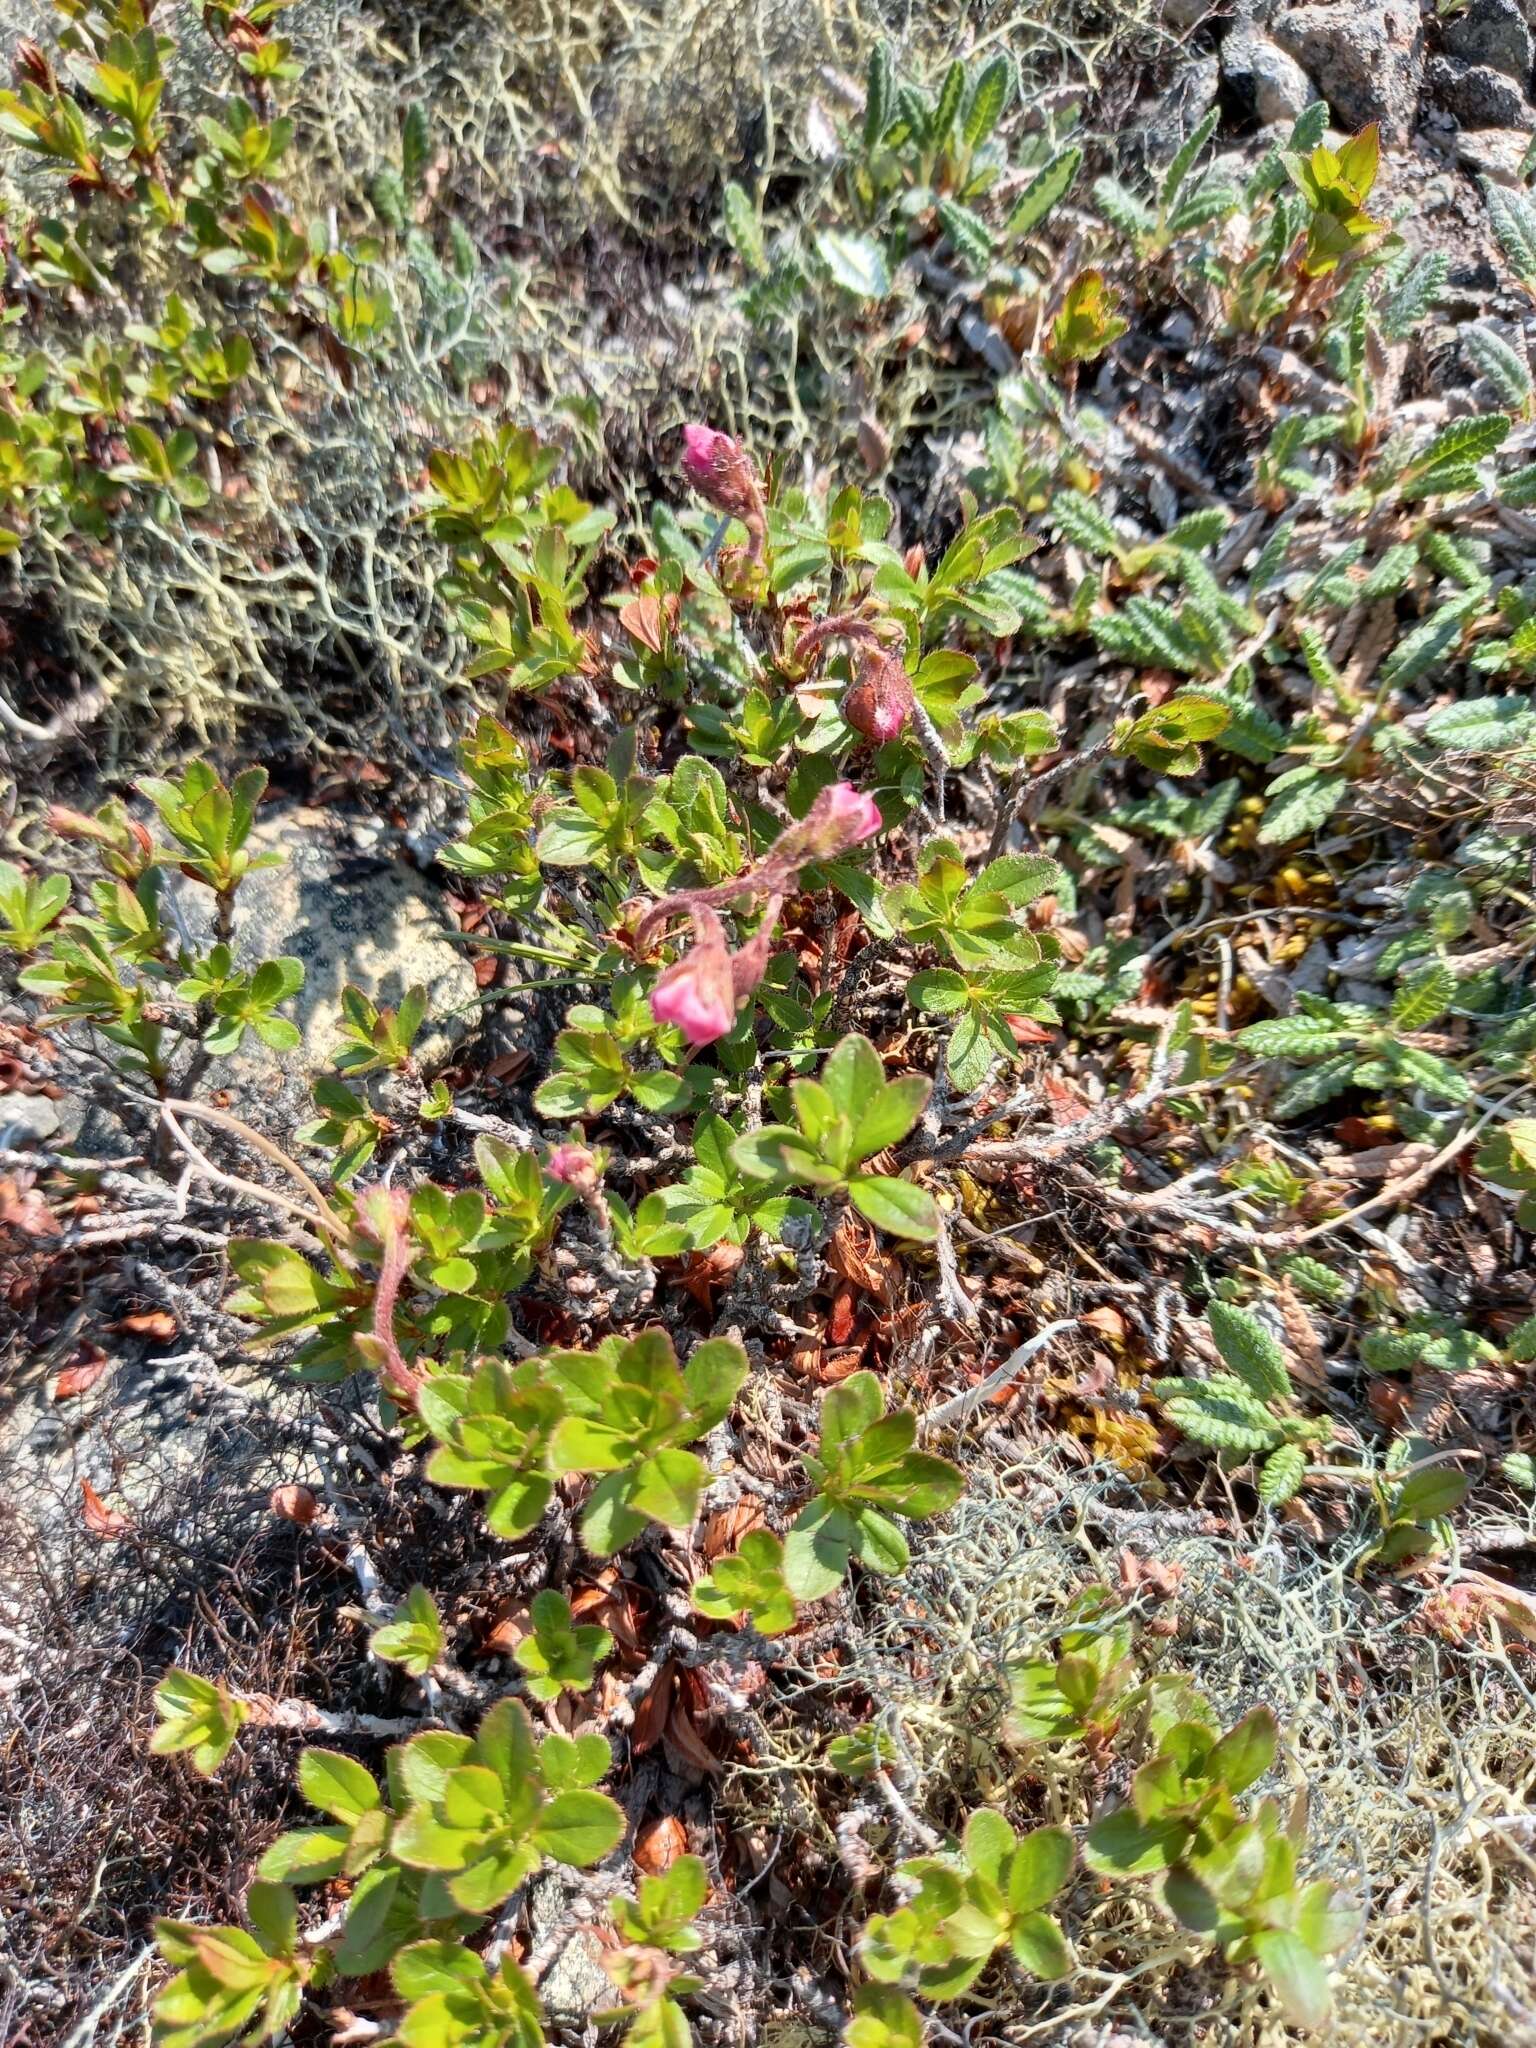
(721, 471)
(575, 1166)
(880, 702)
(841, 817)
(698, 993)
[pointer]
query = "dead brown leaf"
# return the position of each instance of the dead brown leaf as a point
(75, 1380)
(1107, 1320)
(510, 1624)
(855, 1256)
(156, 1324)
(1301, 1335)
(706, 1273)
(726, 1526)
(684, 1740)
(651, 1715)
(99, 1518)
(659, 1843)
(23, 1208)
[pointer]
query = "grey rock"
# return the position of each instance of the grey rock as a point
(1268, 84)
(1477, 95)
(1495, 153)
(350, 917)
(1365, 56)
(28, 1119)
(575, 1983)
(1492, 32)
(1167, 121)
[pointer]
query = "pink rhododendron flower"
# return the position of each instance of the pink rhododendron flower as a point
(574, 1165)
(698, 993)
(879, 703)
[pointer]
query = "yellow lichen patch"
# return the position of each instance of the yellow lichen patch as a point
(1128, 1441)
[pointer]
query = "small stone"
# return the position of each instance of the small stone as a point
(1477, 95)
(1180, 331)
(575, 1982)
(1491, 32)
(1365, 56)
(1168, 120)
(1494, 153)
(1267, 84)
(350, 917)
(28, 1120)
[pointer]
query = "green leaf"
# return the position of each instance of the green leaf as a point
(337, 1784)
(1246, 1751)
(414, 1639)
(1423, 998)
(968, 233)
(1318, 1085)
(987, 101)
(856, 263)
(580, 1827)
(890, 1114)
(1184, 160)
(1300, 1980)
(1220, 1412)
(1038, 1868)
(1041, 1947)
(744, 230)
(1250, 1350)
(883, 2017)
(1426, 1496)
(1121, 1845)
(895, 1206)
(415, 144)
(1282, 1474)
(1048, 185)
(1482, 725)
(777, 1152)
(816, 1552)
(1308, 799)
(879, 94)
(197, 1715)
(305, 1856)
(1292, 1038)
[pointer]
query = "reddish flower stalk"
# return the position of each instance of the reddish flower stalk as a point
(840, 818)
(700, 992)
(386, 1213)
(842, 626)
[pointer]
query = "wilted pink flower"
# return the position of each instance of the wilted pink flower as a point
(721, 471)
(575, 1166)
(698, 992)
(879, 703)
(750, 962)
